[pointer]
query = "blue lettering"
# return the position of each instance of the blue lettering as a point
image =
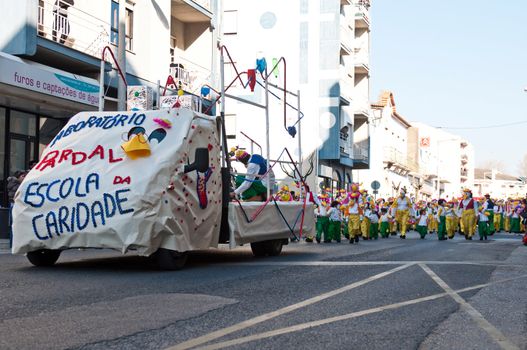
(77, 185)
(72, 224)
(87, 216)
(121, 120)
(93, 178)
(63, 216)
(108, 197)
(35, 230)
(131, 119)
(99, 212)
(69, 181)
(91, 121)
(56, 138)
(110, 123)
(99, 122)
(140, 119)
(120, 200)
(79, 126)
(52, 223)
(30, 193)
(48, 190)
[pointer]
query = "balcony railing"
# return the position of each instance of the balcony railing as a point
(362, 15)
(190, 76)
(361, 152)
(72, 27)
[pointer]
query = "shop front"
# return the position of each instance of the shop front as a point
(35, 103)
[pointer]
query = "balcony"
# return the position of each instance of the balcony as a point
(73, 28)
(189, 76)
(346, 38)
(361, 61)
(361, 155)
(189, 11)
(362, 15)
(398, 162)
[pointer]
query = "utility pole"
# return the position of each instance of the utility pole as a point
(121, 56)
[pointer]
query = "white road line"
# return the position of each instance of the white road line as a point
(268, 316)
(317, 323)
(371, 263)
(494, 333)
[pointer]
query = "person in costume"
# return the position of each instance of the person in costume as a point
(374, 224)
(488, 207)
(483, 223)
(385, 223)
(515, 217)
(441, 220)
(402, 207)
(354, 213)
(498, 213)
(365, 221)
(252, 186)
(469, 210)
(451, 219)
(422, 223)
(322, 222)
(334, 222)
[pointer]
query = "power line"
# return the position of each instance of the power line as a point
(482, 127)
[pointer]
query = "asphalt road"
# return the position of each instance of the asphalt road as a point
(384, 294)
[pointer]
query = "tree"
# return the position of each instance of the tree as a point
(490, 164)
(522, 166)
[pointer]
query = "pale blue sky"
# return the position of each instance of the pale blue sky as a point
(456, 64)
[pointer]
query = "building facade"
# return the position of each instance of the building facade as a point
(498, 184)
(50, 62)
(390, 161)
(318, 40)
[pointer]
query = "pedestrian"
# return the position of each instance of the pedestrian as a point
(385, 223)
(334, 222)
(441, 219)
(402, 206)
(488, 207)
(483, 224)
(469, 211)
(422, 223)
(374, 224)
(365, 222)
(13, 182)
(451, 219)
(354, 212)
(322, 224)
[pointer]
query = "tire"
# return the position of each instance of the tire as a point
(43, 257)
(170, 260)
(272, 248)
(259, 249)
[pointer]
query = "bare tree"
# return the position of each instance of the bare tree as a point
(522, 166)
(494, 164)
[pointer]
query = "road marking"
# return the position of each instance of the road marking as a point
(268, 316)
(494, 333)
(356, 314)
(371, 263)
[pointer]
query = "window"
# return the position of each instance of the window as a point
(230, 22)
(129, 26)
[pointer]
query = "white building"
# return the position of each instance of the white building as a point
(498, 185)
(390, 163)
(319, 43)
(446, 161)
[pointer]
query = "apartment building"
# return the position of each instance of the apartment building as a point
(50, 60)
(317, 40)
(390, 162)
(446, 161)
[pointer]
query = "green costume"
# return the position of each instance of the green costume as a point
(423, 230)
(483, 229)
(334, 230)
(322, 228)
(374, 230)
(385, 229)
(441, 229)
(256, 189)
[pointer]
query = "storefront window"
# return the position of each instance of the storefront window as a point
(23, 123)
(48, 129)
